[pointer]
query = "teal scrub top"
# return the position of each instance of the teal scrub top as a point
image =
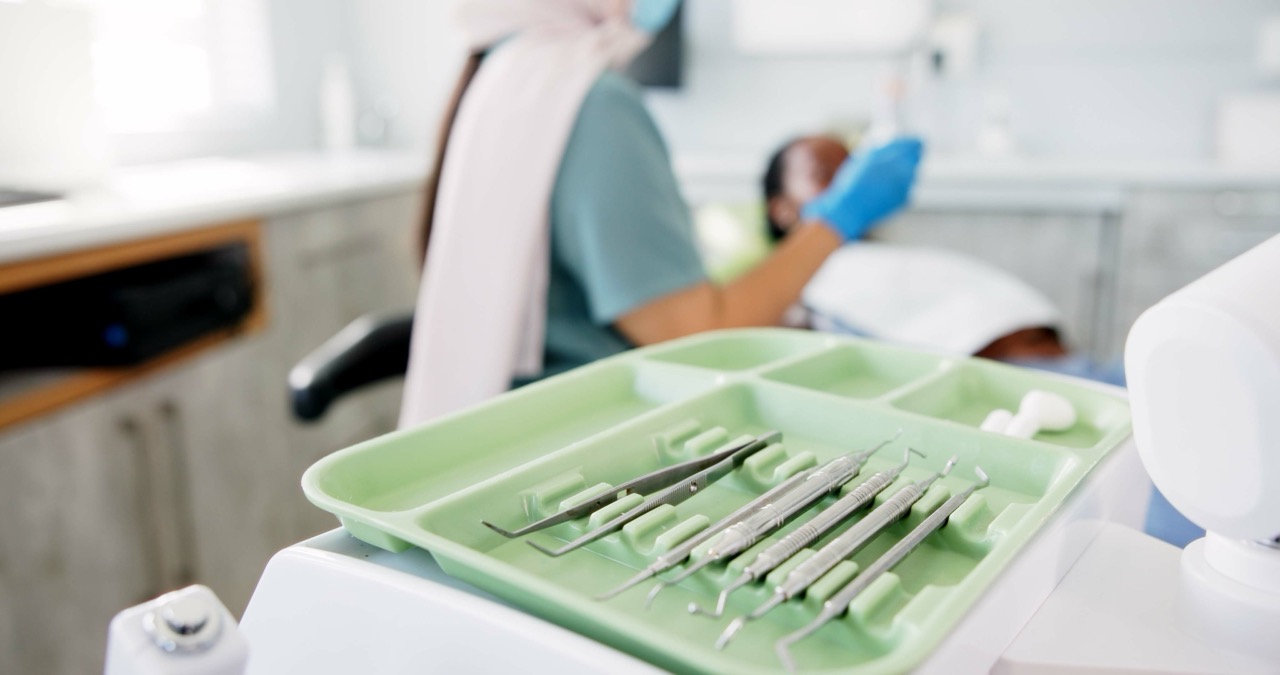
(621, 234)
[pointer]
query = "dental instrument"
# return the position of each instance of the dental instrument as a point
(770, 558)
(762, 515)
(645, 484)
(677, 555)
(839, 603)
(673, 495)
(853, 540)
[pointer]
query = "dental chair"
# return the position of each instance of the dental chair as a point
(370, 349)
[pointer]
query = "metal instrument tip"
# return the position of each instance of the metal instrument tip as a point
(506, 533)
(906, 457)
(783, 646)
(554, 553)
(783, 649)
(646, 573)
(951, 464)
(706, 559)
(879, 446)
(727, 636)
(723, 598)
(653, 593)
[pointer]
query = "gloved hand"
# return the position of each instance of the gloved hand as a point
(869, 187)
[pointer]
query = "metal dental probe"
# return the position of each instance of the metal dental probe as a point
(649, 482)
(673, 495)
(839, 603)
(838, 549)
(772, 515)
(673, 557)
(782, 551)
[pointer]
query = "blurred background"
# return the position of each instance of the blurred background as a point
(256, 167)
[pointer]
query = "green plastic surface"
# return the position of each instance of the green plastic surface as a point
(533, 451)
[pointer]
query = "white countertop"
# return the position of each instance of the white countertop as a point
(1011, 183)
(1034, 172)
(153, 199)
(1186, 174)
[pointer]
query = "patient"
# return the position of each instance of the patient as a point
(927, 297)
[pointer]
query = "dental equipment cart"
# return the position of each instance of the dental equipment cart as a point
(1019, 550)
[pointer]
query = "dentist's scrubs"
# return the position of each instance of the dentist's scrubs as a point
(615, 236)
(621, 234)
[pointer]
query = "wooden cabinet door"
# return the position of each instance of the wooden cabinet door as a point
(77, 545)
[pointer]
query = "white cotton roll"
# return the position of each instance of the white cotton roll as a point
(997, 421)
(1022, 426)
(1051, 411)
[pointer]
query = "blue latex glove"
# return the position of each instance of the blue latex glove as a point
(869, 187)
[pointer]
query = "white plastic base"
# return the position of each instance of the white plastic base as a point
(1115, 613)
(333, 605)
(1229, 593)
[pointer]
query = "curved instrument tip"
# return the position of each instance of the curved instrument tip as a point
(506, 533)
(554, 553)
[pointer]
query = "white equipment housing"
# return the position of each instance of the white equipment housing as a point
(1204, 374)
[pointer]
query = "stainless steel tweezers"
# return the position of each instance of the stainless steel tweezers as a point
(649, 482)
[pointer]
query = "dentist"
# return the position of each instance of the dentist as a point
(554, 229)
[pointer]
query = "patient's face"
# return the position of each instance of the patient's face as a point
(807, 169)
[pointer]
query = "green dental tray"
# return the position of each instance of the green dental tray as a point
(533, 451)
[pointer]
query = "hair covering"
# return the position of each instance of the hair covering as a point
(481, 309)
(925, 297)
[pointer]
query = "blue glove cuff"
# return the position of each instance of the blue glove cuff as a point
(848, 228)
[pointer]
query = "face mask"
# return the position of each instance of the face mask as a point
(652, 16)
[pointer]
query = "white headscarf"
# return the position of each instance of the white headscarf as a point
(481, 308)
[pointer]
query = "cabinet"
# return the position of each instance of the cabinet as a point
(80, 526)
(1171, 238)
(325, 269)
(192, 474)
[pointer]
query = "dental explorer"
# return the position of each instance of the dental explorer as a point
(839, 603)
(645, 484)
(673, 495)
(850, 542)
(782, 551)
(673, 557)
(745, 534)
(762, 515)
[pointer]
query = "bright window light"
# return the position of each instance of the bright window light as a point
(180, 65)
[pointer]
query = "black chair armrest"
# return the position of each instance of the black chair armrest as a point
(371, 348)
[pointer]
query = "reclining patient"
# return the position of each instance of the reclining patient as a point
(920, 296)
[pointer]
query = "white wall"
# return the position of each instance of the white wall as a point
(1086, 78)
(405, 56)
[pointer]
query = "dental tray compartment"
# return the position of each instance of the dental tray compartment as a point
(534, 451)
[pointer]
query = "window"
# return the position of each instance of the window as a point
(180, 65)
